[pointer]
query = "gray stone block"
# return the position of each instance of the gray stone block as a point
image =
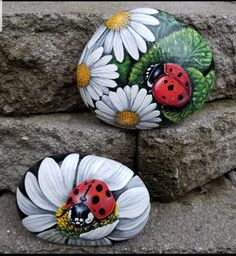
(201, 222)
(179, 158)
(25, 140)
(39, 54)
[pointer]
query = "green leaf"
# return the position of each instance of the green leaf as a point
(201, 88)
(187, 48)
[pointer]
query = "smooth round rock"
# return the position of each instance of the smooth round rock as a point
(144, 68)
(82, 200)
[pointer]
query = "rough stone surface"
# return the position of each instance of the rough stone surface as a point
(178, 158)
(39, 53)
(201, 222)
(26, 140)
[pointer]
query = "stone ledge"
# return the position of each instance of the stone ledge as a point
(39, 53)
(179, 158)
(25, 140)
(198, 223)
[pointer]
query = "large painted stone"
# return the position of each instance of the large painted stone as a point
(82, 200)
(143, 68)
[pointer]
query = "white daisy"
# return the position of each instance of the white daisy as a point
(127, 30)
(129, 108)
(94, 75)
(55, 217)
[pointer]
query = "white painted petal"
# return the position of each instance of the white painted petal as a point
(53, 236)
(97, 88)
(105, 82)
(127, 91)
(118, 47)
(96, 35)
(109, 121)
(145, 19)
(82, 56)
(105, 74)
(51, 182)
(139, 99)
(151, 115)
(146, 125)
(113, 173)
(102, 114)
(94, 57)
(139, 40)
(100, 232)
(35, 194)
(104, 69)
(83, 96)
(68, 170)
(128, 228)
(83, 242)
(103, 61)
(148, 109)
(88, 98)
(133, 202)
(104, 108)
(146, 102)
(26, 206)
(109, 42)
(143, 31)
(134, 92)
(123, 98)
(117, 102)
(144, 10)
(39, 222)
(129, 43)
(92, 93)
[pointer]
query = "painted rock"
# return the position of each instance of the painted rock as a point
(82, 200)
(144, 68)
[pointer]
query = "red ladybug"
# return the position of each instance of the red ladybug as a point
(170, 84)
(89, 199)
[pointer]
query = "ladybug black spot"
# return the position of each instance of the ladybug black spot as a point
(69, 201)
(180, 74)
(165, 81)
(99, 188)
(102, 211)
(108, 193)
(76, 191)
(171, 70)
(85, 183)
(180, 97)
(95, 199)
(186, 84)
(163, 97)
(171, 87)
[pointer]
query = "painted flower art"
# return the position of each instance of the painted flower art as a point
(84, 201)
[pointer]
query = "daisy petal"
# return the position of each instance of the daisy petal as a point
(146, 125)
(102, 114)
(96, 88)
(151, 115)
(128, 228)
(117, 102)
(88, 98)
(139, 40)
(105, 82)
(121, 94)
(133, 202)
(148, 109)
(102, 69)
(92, 93)
(134, 92)
(50, 179)
(142, 31)
(53, 236)
(145, 19)
(96, 36)
(129, 43)
(35, 194)
(95, 56)
(103, 61)
(39, 222)
(25, 205)
(108, 43)
(144, 10)
(83, 242)
(104, 108)
(139, 99)
(146, 102)
(68, 170)
(118, 47)
(112, 75)
(99, 232)
(113, 173)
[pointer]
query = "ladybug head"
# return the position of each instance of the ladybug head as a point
(80, 215)
(153, 73)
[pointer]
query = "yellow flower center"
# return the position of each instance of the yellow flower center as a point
(118, 21)
(127, 119)
(83, 75)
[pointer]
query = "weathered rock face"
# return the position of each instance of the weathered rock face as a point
(39, 54)
(198, 223)
(25, 140)
(177, 159)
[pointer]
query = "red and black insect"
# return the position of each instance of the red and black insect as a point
(88, 200)
(170, 84)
